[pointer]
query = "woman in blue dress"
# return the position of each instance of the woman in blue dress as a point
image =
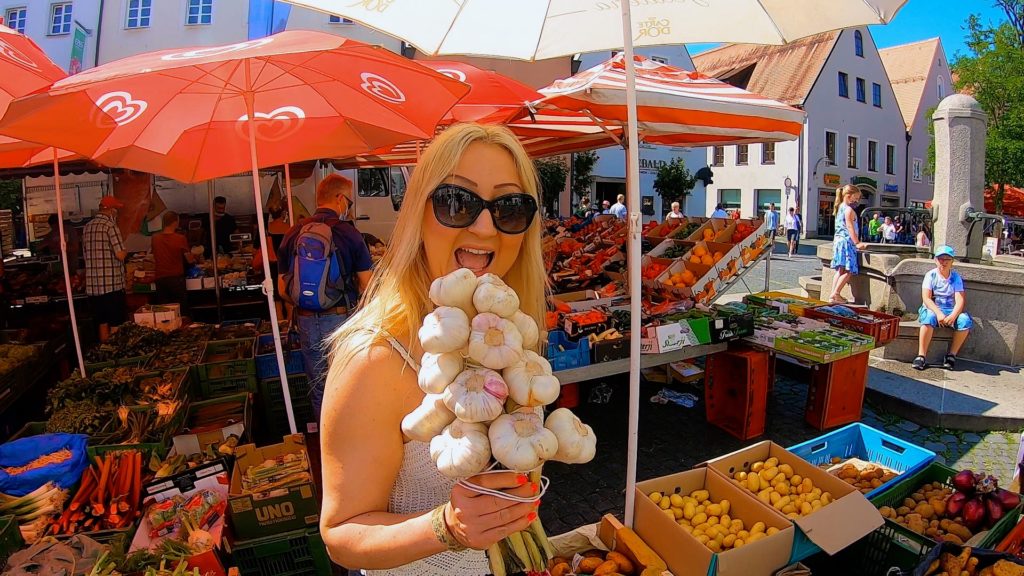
(846, 242)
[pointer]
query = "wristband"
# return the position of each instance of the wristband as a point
(441, 531)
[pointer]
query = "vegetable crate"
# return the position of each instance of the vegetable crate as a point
(783, 302)
(736, 391)
(272, 397)
(896, 545)
(29, 429)
(147, 450)
(137, 361)
(883, 329)
(228, 359)
(866, 443)
(266, 364)
(299, 553)
(10, 538)
(182, 378)
(564, 354)
(223, 386)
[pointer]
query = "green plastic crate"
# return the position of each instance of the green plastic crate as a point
(299, 553)
(183, 379)
(272, 399)
(207, 389)
(147, 449)
(244, 366)
(10, 539)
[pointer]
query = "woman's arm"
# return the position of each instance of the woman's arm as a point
(851, 225)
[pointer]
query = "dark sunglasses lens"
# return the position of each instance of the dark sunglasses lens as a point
(513, 213)
(455, 207)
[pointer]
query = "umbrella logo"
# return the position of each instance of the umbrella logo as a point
(275, 125)
(381, 88)
(13, 53)
(456, 74)
(216, 50)
(121, 107)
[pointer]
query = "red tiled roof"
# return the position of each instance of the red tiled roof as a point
(908, 68)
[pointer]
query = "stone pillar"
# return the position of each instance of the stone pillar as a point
(960, 126)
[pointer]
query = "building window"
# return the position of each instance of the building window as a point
(768, 153)
(60, 18)
(939, 87)
(915, 174)
(876, 95)
(861, 96)
(718, 156)
(199, 12)
(765, 198)
(872, 156)
(844, 85)
(729, 199)
(660, 59)
(858, 43)
(890, 159)
(16, 19)
(138, 13)
(742, 155)
(830, 147)
(851, 152)
(332, 19)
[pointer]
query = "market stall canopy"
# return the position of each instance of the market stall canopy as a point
(1013, 201)
(675, 106)
(183, 113)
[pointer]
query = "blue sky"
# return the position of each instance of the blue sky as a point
(922, 19)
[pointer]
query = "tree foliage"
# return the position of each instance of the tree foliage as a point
(674, 181)
(552, 173)
(582, 172)
(10, 195)
(993, 73)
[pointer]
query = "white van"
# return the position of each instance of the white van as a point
(378, 196)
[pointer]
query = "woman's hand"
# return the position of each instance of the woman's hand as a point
(480, 520)
(861, 245)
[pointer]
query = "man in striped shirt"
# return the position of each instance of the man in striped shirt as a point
(104, 266)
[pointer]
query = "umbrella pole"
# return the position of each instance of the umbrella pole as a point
(633, 261)
(267, 278)
(288, 191)
(213, 248)
(64, 260)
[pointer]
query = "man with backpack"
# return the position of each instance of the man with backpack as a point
(324, 265)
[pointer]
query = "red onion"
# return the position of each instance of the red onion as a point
(974, 514)
(995, 510)
(1008, 500)
(955, 504)
(964, 481)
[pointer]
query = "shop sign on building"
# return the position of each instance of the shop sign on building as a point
(892, 188)
(863, 180)
(832, 179)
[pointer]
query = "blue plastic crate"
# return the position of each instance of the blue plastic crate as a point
(572, 355)
(266, 364)
(866, 443)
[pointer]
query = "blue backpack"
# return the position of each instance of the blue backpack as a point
(317, 280)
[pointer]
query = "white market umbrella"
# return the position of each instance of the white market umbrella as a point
(539, 29)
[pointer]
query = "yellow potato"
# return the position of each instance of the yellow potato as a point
(788, 509)
(756, 466)
(669, 513)
(736, 523)
(738, 543)
(677, 512)
(743, 534)
(714, 545)
(755, 536)
(826, 498)
(786, 470)
(782, 488)
(775, 497)
(729, 541)
(769, 474)
(771, 462)
(656, 497)
(741, 476)
(772, 530)
(703, 539)
(753, 482)
(815, 504)
(757, 527)
(796, 479)
(702, 529)
(699, 519)
(664, 504)
(712, 520)
(765, 496)
(689, 510)
(676, 500)
(807, 485)
(714, 509)
(806, 509)
(815, 492)
(782, 503)
(701, 509)
(793, 515)
(686, 526)
(725, 520)
(726, 506)
(719, 538)
(700, 495)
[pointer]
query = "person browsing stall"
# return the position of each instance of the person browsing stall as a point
(675, 213)
(324, 265)
(943, 301)
(224, 225)
(619, 208)
(170, 253)
(719, 212)
(471, 203)
(105, 254)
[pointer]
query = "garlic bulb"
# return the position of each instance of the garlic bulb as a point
(438, 370)
(428, 420)
(577, 442)
(455, 289)
(493, 295)
(527, 328)
(530, 382)
(461, 450)
(520, 441)
(446, 329)
(495, 342)
(476, 395)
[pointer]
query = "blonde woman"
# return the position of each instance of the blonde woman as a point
(471, 203)
(846, 242)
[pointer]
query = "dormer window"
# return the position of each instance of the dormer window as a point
(858, 43)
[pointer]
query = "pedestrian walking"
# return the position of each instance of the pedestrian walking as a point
(771, 221)
(792, 225)
(845, 243)
(619, 208)
(324, 267)
(104, 254)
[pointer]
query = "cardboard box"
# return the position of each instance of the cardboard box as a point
(164, 317)
(195, 443)
(667, 338)
(294, 508)
(685, 555)
(847, 519)
(790, 345)
(732, 327)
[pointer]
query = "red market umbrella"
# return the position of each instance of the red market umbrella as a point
(197, 114)
(1013, 201)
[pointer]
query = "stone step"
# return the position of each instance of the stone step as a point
(904, 347)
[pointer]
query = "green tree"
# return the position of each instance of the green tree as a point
(552, 172)
(582, 172)
(10, 195)
(993, 73)
(674, 182)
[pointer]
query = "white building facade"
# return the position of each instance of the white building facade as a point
(854, 132)
(65, 30)
(610, 170)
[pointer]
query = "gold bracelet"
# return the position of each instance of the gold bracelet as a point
(441, 531)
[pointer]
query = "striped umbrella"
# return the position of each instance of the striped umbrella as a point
(675, 106)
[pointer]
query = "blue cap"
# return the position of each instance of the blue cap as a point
(944, 251)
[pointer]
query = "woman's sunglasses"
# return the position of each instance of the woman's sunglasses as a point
(457, 207)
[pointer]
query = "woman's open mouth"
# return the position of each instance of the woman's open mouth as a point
(474, 259)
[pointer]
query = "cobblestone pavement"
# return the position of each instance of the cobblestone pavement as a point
(674, 438)
(785, 272)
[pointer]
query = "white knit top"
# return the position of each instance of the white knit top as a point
(419, 487)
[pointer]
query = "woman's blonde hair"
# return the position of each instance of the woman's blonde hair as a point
(397, 297)
(841, 194)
